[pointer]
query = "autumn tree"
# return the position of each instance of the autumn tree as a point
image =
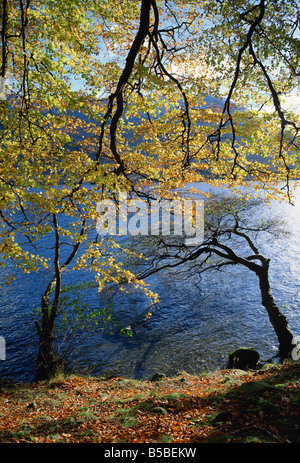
(142, 97)
(231, 233)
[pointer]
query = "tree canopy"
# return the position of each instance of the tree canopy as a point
(141, 96)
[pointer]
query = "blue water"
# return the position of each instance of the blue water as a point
(193, 328)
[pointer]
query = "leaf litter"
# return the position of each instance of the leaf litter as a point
(223, 406)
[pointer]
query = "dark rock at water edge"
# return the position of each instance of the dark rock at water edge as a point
(243, 358)
(158, 377)
(6, 383)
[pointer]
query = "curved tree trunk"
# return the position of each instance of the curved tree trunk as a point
(277, 318)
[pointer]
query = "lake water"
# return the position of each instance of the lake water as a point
(193, 328)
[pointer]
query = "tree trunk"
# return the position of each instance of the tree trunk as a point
(47, 362)
(46, 358)
(277, 318)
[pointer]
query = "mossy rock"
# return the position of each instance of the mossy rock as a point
(158, 377)
(268, 407)
(159, 410)
(268, 366)
(7, 383)
(257, 387)
(243, 358)
(222, 417)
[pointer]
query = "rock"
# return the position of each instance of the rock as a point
(268, 366)
(237, 373)
(31, 405)
(257, 387)
(243, 358)
(158, 377)
(6, 383)
(159, 410)
(222, 417)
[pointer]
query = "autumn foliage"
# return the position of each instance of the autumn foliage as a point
(225, 406)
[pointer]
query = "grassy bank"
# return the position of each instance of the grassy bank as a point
(224, 406)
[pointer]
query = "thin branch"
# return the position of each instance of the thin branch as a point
(118, 94)
(247, 238)
(186, 121)
(3, 38)
(57, 269)
(227, 105)
(56, 280)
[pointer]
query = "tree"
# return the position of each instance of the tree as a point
(228, 240)
(47, 363)
(136, 97)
